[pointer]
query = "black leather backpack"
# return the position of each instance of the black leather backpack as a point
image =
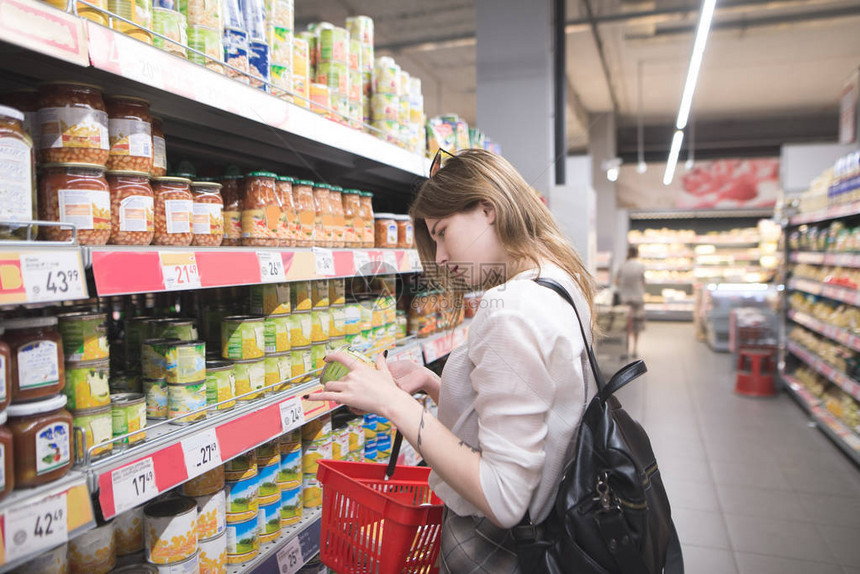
(611, 513)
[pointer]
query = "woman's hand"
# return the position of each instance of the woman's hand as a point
(413, 378)
(363, 388)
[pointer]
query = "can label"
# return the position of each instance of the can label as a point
(186, 398)
(130, 138)
(136, 213)
(73, 128)
(52, 447)
(87, 385)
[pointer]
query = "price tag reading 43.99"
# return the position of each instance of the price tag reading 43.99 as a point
(292, 414)
(179, 269)
(202, 452)
(34, 527)
(133, 485)
(51, 276)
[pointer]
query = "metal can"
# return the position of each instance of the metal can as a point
(243, 337)
(129, 531)
(128, 414)
(278, 370)
(211, 514)
(281, 41)
(207, 483)
(337, 321)
(242, 466)
(291, 505)
(182, 329)
(277, 333)
(335, 75)
(207, 41)
(186, 362)
(124, 382)
(201, 13)
(153, 359)
(243, 543)
(334, 45)
(290, 473)
(95, 425)
(254, 16)
(236, 53)
(94, 551)
(242, 498)
(300, 329)
(170, 24)
(84, 336)
(212, 554)
(320, 96)
(352, 318)
(170, 530)
(188, 566)
(258, 61)
(320, 326)
(336, 292)
(250, 376)
(184, 398)
(220, 384)
(268, 480)
(268, 453)
(300, 296)
(311, 491)
(269, 520)
(318, 352)
(271, 299)
(300, 361)
(320, 293)
(87, 384)
(156, 398)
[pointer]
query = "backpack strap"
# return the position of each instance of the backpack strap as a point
(674, 555)
(592, 360)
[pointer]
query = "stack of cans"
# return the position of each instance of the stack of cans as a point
(235, 41)
(203, 18)
(281, 17)
(332, 67)
(301, 71)
(385, 101)
(361, 29)
(254, 13)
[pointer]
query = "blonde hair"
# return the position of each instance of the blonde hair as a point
(526, 228)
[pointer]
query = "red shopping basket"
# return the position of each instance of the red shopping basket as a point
(375, 526)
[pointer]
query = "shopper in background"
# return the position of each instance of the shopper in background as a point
(511, 399)
(630, 282)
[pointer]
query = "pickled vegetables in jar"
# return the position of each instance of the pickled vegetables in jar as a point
(130, 131)
(77, 194)
(174, 208)
(324, 216)
(303, 199)
(131, 208)
(231, 193)
(73, 124)
(287, 226)
(208, 219)
(261, 211)
(338, 216)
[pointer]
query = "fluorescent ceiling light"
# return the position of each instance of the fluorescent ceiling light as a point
(695, 62)
(642, 167)
(612, 174)
(677, 139)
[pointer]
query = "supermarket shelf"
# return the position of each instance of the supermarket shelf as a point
(830, 331)
(207, 114)
(700, 240)
(824, 368)
(296, 546)
(835, 430)
(844, 294)
(649, 282)
(821, 258)
(688, 254)
(832, 212)
(668, 268)
(123, 270)
(700, 214)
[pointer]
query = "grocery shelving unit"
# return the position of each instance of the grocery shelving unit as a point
(211, 118)
(821, 293)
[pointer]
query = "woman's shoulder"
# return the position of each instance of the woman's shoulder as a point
(522, 295)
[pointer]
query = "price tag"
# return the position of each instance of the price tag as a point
(271, 267)
(202, 452)
(179, 269)
(34, 527)
(133, 485)
(361, 261)
(292, 414)
(290, 557)
(389, 258)
(324, 262)
(52, 276)
(414, 261)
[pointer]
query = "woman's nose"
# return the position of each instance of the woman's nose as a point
(441, 255)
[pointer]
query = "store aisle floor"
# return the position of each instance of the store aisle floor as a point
(754, 488)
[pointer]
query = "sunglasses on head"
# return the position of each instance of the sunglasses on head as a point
(436, 164)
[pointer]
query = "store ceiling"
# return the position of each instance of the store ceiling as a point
(772, 73)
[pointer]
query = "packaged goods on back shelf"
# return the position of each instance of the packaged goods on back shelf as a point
(833, 238)
(836, 185)
(838, 402)
(838, 315)
(843, 359)
(842, 276)
(452, 133)
(106, 184)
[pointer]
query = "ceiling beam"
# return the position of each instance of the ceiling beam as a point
(601, 52)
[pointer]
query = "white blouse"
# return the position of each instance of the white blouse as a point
(515, 390)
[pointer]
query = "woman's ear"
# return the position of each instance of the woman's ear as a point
(489, 212)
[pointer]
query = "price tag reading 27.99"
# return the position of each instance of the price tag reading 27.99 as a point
(202, 452)
(33, 527)
(179, 269)
(133, 485)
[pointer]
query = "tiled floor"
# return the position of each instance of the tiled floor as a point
(754, 488)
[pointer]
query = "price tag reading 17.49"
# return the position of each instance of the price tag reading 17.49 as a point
(179, 269)
(53, 276)
(133, 485)
(33, 527)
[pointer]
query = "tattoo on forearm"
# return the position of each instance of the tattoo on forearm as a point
(420, 428)
(470, 447)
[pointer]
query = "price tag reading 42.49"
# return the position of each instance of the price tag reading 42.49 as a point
(292, 414)
(202, 452)
(34, 527)
(133, 485)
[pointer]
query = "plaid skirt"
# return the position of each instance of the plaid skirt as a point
(475, 545)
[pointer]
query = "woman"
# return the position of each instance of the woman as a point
(511, 399)
(630, 281)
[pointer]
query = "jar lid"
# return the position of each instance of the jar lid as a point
(206, 184)
(127, 98)
(126, 399)
(37, 407)
(172, 179)
(169, 507)
(217, 365)
(73, 165)
(305, 182)
(262, 174)
(207, 179)
(126, 173)
(337, 188)
(322, 185)
(3, 417)
(349, 191)
(286, 178)
(11, 113)
(384, 216)
(30, 323)
(71, 83)
(232, 176)
(366, 194)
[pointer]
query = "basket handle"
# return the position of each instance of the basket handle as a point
(395, 452)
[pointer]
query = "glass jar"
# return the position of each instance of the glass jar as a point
(366, 212)
(260, 210)
(208, 218)
(324, 218)
(303, 199)
(231, 193)
(174, 209)
(7, 458)
(130, 130)
(159, 149)
(73, 124)
(131, 208)
(385, 234)
(26, 102)
(289, 218)
(338, 216)
(41, 438)
(17, 164)
(5, 372)
(352, 216)
(405, 232)
(76, 193)
(36, 348)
